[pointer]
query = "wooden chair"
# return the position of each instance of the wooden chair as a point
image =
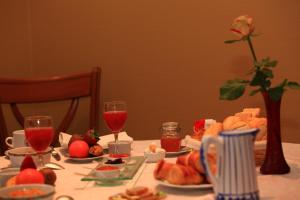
(57, 88)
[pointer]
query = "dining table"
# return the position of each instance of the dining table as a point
(69, 180)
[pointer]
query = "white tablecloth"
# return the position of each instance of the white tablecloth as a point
(271, 187)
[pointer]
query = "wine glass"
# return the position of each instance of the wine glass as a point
(39, 133)
(115, 115)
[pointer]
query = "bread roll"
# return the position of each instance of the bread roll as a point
(244, 116)
(234, 123)
(214, 129)
(255, 112)
(261, 124)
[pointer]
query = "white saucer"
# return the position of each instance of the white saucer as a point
(200, 186)
(181, 151)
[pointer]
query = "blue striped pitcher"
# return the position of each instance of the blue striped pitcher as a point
(236, 175)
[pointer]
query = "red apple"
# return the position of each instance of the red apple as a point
(79, 149)
(29, 175)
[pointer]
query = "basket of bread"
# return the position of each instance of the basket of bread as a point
(247, 119)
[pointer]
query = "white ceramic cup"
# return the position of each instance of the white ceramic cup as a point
(18, 139)
(122, 147)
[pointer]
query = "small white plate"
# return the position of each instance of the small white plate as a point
(181, 151)
(200, 186)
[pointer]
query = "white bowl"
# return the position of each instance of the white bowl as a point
(7, 173)
(47, 192)
(107, 174)
(125, 157)
(152, 157)
(17, 155)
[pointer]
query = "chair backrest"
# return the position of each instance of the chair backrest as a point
(57, 88)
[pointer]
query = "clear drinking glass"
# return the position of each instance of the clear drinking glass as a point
(39, 133)
(115, 115)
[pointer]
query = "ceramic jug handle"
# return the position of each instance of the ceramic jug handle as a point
(206, 142)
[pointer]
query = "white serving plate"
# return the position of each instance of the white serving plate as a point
(200, 186)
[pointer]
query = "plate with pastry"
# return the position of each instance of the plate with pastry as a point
(183, 149)
(186, 173)
(198, 186)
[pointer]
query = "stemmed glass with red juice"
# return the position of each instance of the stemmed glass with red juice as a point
(115, 120)
(115, 116)
(39, 138)
(39, 134)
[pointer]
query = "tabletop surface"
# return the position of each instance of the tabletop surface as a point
(69, 182)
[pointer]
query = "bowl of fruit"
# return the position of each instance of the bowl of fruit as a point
(29, 174)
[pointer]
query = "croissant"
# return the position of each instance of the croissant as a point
(177, 174)
(184, 175)
(193, 160)
(162, 169)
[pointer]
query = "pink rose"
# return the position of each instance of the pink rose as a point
(243, 26)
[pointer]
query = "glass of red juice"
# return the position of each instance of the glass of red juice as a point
(115, 116)
(39, 134)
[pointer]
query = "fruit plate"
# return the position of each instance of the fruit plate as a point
(200, 186)
(182, 150)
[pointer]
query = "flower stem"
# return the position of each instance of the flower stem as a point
(251, 48)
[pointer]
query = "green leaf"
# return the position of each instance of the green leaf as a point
(276, 92)
(271, 63)
(265, 60)
(251, 71)
(233, 89)
(260, 79)
(253, 92)
(284, 83)
(257, 64)
(267, 72)
(231, 41)
(237, 81)
(293, 85)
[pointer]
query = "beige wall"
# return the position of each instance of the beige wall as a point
(166, 59)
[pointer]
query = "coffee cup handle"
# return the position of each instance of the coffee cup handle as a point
(205, 143)
(9, 143)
